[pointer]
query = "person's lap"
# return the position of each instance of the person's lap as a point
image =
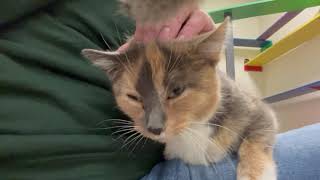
(297, 154)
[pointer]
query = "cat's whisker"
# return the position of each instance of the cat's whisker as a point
(122, 122)
(129, 139)
(105, 42)
(123, 130)
(216, 144)
(136, 138)
(125, 133)
(113, 120)
(226, 151)
(174, 62)
(269, 130)
(223, 150)
(215, 168)
(113, 127)
(129, 70)
(138, 141)
(118, 33)
(169, 61)
(195, 140)
(207, 156)
(116, 120)
(217, 125)
(124, 85)
(127, 67)
(144, 143)
(120, 61)
(171, 67)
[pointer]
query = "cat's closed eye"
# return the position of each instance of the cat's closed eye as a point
(134, 98)
(175, 92)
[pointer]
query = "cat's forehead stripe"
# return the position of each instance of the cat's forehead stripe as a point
(155, 57)
(146, 87)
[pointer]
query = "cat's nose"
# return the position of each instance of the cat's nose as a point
(156, 131)
(155, 120)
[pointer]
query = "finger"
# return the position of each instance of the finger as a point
(151, 32)
(123, 48)
(138, 34)
(172, 27)
(210, 25)
(198, 22)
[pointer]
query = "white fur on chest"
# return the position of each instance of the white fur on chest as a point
(193, 146)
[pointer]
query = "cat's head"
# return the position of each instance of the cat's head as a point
(165, 87)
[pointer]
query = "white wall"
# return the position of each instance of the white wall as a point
(296, 68)
(298, 111)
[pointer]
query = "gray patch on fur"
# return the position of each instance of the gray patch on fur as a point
(250, 117)
(154, 114)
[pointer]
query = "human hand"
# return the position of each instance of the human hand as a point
(187, 23)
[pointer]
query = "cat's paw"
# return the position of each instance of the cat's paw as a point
(256, 162)
(268, 173)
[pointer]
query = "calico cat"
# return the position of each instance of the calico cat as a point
(175, 94)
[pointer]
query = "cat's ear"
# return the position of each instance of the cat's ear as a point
(107, 61)
(212, 43)
(207, 46)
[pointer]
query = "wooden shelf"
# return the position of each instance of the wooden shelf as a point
(304, 33)
(308, 88)
(262, 7)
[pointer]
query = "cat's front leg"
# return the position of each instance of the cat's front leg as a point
(255, 162)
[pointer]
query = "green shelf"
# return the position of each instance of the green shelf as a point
(262, 7)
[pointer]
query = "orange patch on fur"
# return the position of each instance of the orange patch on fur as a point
(155, 59)
(253, 159)
(225, 138)
(193, 107)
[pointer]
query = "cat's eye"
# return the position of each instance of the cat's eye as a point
(175, 92)
(134, 98)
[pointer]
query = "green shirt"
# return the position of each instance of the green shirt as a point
(53, 101)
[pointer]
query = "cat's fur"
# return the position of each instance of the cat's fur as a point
(174, 94)
(153, 11)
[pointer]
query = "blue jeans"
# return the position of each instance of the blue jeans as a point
(297, 154)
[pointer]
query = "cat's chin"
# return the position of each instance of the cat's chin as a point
(162, 138)
(193, 146)
(189, 146)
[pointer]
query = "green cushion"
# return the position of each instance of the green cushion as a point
(52, 101)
